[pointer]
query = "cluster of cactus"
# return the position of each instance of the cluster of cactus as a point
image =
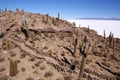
(13, 68)
(111, 40)
(84, 48)
(3, 10)
(26, 30)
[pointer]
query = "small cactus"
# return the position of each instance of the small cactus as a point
(17, 9)
(2, 10)
(88, 30)
(13, 68)
(5, 9)
(110, 39)
(104, 34)
(74, 25)
(58, 16)
(47, 15)
(113, 45)
(75, 46)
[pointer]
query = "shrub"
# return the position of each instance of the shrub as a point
(106, 64)
(4, 77)
(42, 67)
(29, 78)
(13, 54)
(23, 55)
(23, 69)
(32, 59)
(2, 59)
(49, 74)
(2, 69)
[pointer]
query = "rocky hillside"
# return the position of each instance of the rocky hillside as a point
(40, 47)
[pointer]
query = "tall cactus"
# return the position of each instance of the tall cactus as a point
(13, 68)
(84, 48)
(75, 34)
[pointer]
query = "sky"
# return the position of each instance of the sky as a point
(68, 9)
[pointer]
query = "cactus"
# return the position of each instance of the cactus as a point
(58, 16)
(25, 31)
(74, 25)
(13, 68)
(88, 30)
(84, 51)
(113, 45)
(104, 34)
(17, 9)
(5, 9)
(47, 17)
(75, 35)
(2, 10)
(110, 39)
(75, 46)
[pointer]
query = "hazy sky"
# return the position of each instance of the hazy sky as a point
(68, 9)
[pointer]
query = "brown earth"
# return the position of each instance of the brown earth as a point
(42, 53)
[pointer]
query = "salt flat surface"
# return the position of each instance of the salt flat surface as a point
(101, 25)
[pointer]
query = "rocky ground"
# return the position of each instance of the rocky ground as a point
(43, 48)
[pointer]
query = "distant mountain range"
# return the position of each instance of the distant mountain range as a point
(88, 18)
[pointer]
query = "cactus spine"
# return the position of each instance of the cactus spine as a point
(84, 51)
(13, 68)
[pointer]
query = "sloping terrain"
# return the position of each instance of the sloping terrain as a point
(43, 48)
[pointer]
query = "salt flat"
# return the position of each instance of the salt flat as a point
(101, 25)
